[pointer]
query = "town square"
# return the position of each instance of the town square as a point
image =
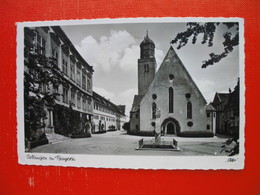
(124, 89)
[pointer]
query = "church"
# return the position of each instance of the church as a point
(170, 90)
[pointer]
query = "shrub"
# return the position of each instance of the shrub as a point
(126, 126)
(80, 135)
(196, 134)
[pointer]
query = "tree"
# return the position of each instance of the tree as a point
(207, 30)
(39, 73)
(126, 126)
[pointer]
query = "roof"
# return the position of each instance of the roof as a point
(172, 56)
(136, 103)
(147, 40)
(107, 103)
(63, 36)
(209, 107)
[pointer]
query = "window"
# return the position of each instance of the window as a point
(72, 70)
(89, 105)
(190, 124)
(170, 100)
(89, 85)
(208, 127)
(171, 76)
(73, 98)
(56, 92)
(208, 114)
(78, 76)
(40, 45)
(78, 101)
(136, 127)
(84, 104)
(65, 95)
(84, 80)
(54, 50)
(154, 96)
(136, 115)
(154, 110)
(189, 110)
(146, 68)
(65, 64)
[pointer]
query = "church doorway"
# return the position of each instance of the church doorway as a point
(170, 126)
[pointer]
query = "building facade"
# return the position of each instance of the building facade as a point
(227, 112)
(107, 115)
(74, 93)
(170, 90)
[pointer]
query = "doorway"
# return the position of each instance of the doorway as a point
(171, 129)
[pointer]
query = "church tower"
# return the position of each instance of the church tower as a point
(146, 65)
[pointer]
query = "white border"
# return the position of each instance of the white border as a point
(132, 162)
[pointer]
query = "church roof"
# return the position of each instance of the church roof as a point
(136, 103)
(172, 56)
(147, 40)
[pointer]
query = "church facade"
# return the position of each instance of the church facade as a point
(170, 90)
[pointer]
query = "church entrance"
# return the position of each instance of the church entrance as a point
(170, 126)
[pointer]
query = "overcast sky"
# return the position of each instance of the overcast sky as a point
(113, 51)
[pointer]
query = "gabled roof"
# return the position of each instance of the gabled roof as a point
(221, 98)
(136, 103)
(107, 103)
(172, 56)
(209, 107)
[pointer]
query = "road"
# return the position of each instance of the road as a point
(119, 143)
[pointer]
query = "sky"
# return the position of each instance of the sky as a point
(113, 51)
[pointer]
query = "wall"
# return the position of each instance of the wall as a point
(181, 84)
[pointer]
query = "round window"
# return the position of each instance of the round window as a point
(171, 77)
(154, 96)
(187, 95)
(190, 124)
(153, 124)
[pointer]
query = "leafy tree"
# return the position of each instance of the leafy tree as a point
(207, 30)
(126, 126)
(39, 73)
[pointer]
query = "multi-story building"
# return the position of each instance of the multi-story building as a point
(107, 115)
(75, 90)
(227, 109)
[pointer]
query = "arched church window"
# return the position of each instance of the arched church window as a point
(171, 100)
(154, 106)
(189, 110)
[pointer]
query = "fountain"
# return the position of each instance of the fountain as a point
(158, 143)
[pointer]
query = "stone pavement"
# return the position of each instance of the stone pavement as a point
(120, 143)
(56, 138)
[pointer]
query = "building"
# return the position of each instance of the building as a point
(107, 115)
(227, 112)
(220, 101)
(74, 103)
(171, 90)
